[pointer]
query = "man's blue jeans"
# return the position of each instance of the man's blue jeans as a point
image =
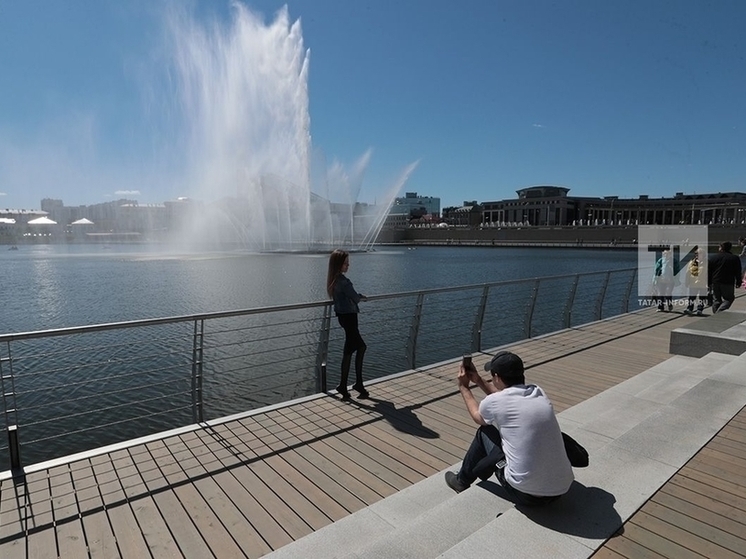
(481, 461)
(485, 452)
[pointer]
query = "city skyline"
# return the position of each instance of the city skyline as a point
(611, 99)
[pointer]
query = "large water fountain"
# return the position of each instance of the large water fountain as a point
(254, 178)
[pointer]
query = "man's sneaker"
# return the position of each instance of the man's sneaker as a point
(689, 309)
(670, 307)
(454, 483)
(660, 307)
(700, 308)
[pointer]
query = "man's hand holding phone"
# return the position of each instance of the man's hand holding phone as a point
(467, 371)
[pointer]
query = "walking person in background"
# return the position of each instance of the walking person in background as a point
(724, 275)
(742, 256)
(664, 280)
(696, 281)
(346, 308)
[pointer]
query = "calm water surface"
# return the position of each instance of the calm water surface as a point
(55, 286)
(76, 393)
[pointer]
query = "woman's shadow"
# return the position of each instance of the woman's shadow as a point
(401, 419)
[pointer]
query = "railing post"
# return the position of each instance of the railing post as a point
(198, 345)
(602, 296)
(322, 354)
(414, 330)
(476, 333)
(571, 301)
(530, 310)
(628, 292)
(10, 412)
(14, 448)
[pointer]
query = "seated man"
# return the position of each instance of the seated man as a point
(519, 438)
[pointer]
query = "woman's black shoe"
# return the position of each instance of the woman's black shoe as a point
(363, 392)
(342, 391)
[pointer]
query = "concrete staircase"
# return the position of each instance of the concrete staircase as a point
(639, 433)
(724, 332)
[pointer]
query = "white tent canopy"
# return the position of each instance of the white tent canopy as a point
(43, 220)
(82, 221)
(8, 220)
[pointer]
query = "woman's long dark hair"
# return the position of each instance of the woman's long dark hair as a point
(336, 261)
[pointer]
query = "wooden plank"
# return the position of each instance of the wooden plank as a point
(365, 487)
(626, 546)
(637, 535)
(68, 529)
(219, 540)
(607, 553)
(62, 491)
(12, 510)
(234, 522)
(127, 531)
(269, 534)
(70, 539)
(187, 537)
(280, 511)
(340, 494)
(98, 535)
(699, 507)
(686, 532)
(716, 498)
(422, 451)
(14, 549)
(286, 490)
(361, 462)
(418, 463)
(40, 537)
(154, 530)
(299, 480)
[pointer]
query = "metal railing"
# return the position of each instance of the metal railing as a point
(72, 389)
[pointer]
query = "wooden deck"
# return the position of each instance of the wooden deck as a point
(248, 486)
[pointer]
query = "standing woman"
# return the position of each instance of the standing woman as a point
(345, 298)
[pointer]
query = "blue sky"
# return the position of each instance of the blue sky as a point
(488, 96)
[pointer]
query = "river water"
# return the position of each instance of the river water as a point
(110, 387)
(55, 286)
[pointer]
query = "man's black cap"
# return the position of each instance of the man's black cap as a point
(506, 365)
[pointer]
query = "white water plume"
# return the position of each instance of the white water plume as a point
(243, 100)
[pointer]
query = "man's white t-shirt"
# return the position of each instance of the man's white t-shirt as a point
(536, 461)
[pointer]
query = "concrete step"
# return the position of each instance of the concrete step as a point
(623, 474)
(367, 525)
(724, 332)
(633, 432)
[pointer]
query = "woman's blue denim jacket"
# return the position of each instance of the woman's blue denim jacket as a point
(345, 296)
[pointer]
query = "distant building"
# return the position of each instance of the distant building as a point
(469, 214)
(549, 206)
(415, 206)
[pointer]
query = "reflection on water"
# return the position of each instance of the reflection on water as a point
(88, 285)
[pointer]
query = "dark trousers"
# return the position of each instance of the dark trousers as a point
(353, 339)
(723, 295)
(486, 457)
(353, 343)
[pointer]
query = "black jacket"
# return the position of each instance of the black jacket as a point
(724, 267)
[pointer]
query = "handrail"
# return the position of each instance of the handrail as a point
(67, 388)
